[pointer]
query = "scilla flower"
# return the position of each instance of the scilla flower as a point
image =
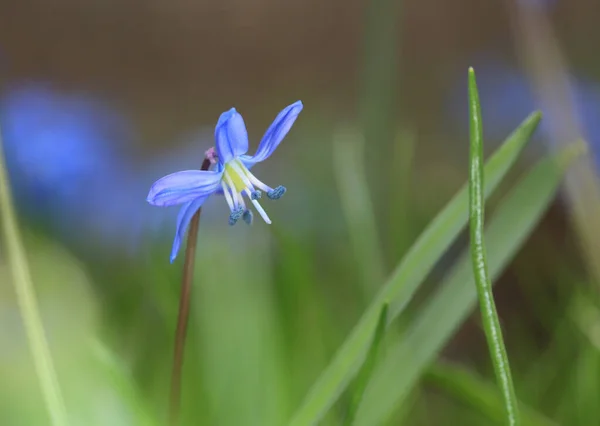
(231, 176)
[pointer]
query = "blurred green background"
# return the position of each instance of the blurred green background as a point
(101, 98)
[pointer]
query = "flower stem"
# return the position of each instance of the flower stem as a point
(491, 323)
(184, 312)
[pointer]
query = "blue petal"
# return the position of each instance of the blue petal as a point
(183, 221)
(275, 133)
(181, 187)
(231, 136)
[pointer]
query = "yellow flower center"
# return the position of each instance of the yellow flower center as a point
(235, 177)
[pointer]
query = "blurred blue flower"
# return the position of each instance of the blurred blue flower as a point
(58, 147)
(537, 3)
(232, 175)
(507, 98)
(63, 156)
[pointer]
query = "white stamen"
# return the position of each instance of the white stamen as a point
(259, 208)
(227, 195)
(258, 183)
(232, 187)
(261, 211)
(241, 200)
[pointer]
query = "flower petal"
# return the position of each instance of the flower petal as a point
(275, 133)
(183, 221)
(231, 136)
(181, 187)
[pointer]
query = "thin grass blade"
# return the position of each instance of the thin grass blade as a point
(406, 278)
(405, 361)
(477, 394)
(34, 329)
(348, 156)
(489, 314)
(362, 379)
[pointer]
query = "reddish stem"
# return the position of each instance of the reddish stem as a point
(184, 313)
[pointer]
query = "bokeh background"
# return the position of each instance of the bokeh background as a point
(100, 98)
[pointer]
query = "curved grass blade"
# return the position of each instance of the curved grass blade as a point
(362, 379)
(514, 220)
(34, 329)
(474, 392)
(489, 314)
(406, 278)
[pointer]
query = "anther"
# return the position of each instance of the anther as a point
(277, 193)
(235, 216)
(248, 217)
(255, 195)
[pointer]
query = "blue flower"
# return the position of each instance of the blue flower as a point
(61, 151)
(231, 177)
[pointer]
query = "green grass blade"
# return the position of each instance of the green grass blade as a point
(348, 156)
(122, 382)
(437, 321)
(400, 220)
(362, 379)
(406, 278)
(478, 394)
(251, 392)
(28, 305)
(489, 314)
(379, 78)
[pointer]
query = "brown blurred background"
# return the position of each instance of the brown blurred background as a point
(179, 60)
